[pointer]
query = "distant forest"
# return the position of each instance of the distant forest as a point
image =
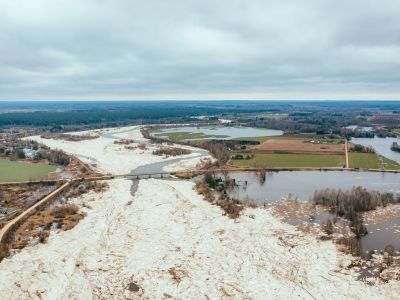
(304, 115)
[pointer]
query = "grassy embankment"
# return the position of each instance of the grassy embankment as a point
(23, 171)
(292, 161)
(371, 161)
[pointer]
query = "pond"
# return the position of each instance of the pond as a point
(381, 146)
(218, 132)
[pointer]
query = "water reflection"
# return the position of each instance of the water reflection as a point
(381, 146)
(302, 184)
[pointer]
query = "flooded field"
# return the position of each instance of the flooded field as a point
(381, 146)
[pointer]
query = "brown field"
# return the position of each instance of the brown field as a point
(298, 147)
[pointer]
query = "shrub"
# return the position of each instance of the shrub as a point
(64, 210)
(142, 146)
(351, 203)
(171, 151)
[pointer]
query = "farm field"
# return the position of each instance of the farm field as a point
(298, 146)
(292, 160)
(371, 161)
(23, 171)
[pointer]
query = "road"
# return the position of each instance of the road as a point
(31, 209)
(10, 224)
(346, 151)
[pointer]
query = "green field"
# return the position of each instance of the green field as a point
(292, 161)
(183, 135)
(23, 171)
(371, 161)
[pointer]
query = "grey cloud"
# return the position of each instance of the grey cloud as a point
(74, 49)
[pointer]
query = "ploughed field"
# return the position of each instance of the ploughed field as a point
(293, 146)
(23, 171)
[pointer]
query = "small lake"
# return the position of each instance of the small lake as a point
(230, 132)
(381, 146)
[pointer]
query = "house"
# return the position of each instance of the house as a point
(29, 153)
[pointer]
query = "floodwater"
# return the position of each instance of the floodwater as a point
(381, 146)
(231, 132)
(382, 234)
(302, 184)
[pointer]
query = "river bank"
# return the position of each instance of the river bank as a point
(164, 241)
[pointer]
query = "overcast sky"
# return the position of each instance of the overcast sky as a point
(254, 49)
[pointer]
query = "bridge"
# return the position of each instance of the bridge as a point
(192, 173)
(65, 184)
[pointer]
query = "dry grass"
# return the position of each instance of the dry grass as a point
(232, 208)
(3, 251)
(65, 216)
(124, 142)
(81, 188)
(291, 210)
(203, 189)
(68, 137)
(298, 147)
(142, 146)
(64, 210)
(177, 273)
(171, 151)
